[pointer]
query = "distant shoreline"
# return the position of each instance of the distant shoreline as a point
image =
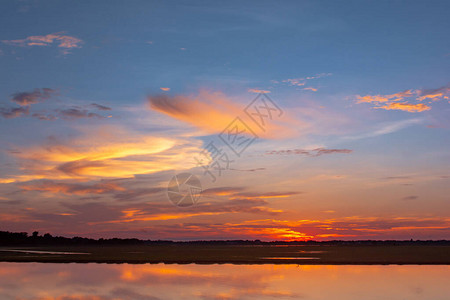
(20, 247)
(233, 254)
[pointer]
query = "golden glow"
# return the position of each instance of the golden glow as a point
(406, 107)
(385, 98)
(433, 97)
(109, 152)
(212, 112)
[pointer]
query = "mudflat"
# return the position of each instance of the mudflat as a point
(234, 254)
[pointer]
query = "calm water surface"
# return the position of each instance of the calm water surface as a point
(160, 281)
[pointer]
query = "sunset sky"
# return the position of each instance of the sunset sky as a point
(103, 102)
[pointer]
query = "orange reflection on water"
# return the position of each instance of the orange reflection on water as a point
(160, 281)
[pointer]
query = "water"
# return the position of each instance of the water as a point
(160, 281)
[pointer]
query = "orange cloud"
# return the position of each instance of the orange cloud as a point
(385, 98)
(136, 216)
(406, 107)
(109, 152)
(212, 112)
(310, 89)
(391, 102)
(434, 94)
(238, 193)
(165, 89)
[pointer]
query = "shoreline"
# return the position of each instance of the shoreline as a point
(213, 254)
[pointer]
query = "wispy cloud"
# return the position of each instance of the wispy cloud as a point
(385, 98)
(295, 81)
(257, 91)
(44, 117)
(222, 191)
(76, 113)
(212, 112)
(209, 111)
(107, 152)
(403, 100)
(71, 188)
(419, 107)
(100, 107)
(314, 152)
(14, 112)
(387, 128)
(39, 95)
(301, 81)
(310, 89)
(434, 94)
(62, 40)
(236, 193)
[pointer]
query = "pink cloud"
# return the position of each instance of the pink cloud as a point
(310, 89)
(63, 41)
(258, 91)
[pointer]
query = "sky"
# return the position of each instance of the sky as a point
(299, 120)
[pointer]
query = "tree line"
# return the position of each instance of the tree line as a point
(23, 238)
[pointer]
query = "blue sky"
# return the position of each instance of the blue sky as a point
(97, 98)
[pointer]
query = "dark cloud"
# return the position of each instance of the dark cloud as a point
(410, 198)
(321, 151)
(100, 107)
(94, 212)
(71, 188)
(76, 167)
(43, 117)
(136, 194)
(25, 99)
(177, 105)
(314, 153)
(66, 114)
(14, 151)
(12, 202)
(14, 112)
(387, 224)
(36, 96)
(76, 113)
(444, 89)
(248, 170)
